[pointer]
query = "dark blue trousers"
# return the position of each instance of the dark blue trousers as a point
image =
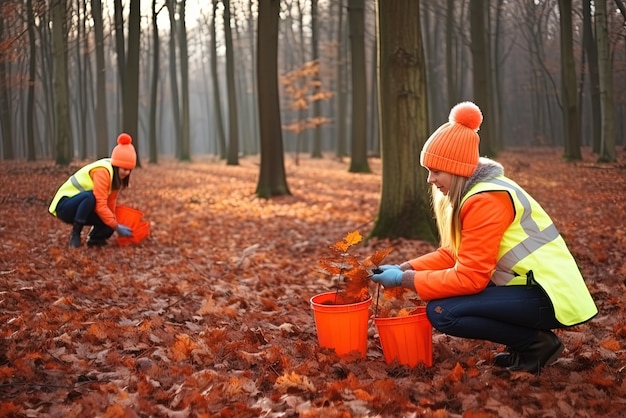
(81, 209)
(510, 315)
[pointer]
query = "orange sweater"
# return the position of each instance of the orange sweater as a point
(484, 218)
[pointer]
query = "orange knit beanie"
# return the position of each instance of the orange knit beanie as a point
(453, 148)
(124, 155)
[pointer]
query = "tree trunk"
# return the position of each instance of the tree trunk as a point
(341, 102)
(253, 81)
(571, 125)
(480, 60)
(171, 8)
(219, 119)
(31, 155)
(185, 153)
(272, 181)
(102, 134)
(5, 105)
(233, 119)
(404, 205)
(316, 151)
(591, 48)
(451, 79)
(63, 135)
(356, 14)
(154, 87)
(607, 146)
(120, 48)
(131, 94)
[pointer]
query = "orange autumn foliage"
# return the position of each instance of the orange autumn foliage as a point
(233, 273)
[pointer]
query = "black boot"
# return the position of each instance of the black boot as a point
(506, 359)
(75, 238)
(96, 242)
(96, 238)
(542, 352)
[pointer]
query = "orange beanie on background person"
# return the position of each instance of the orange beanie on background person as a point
(502, 272)
(124, 154)
(89, 196)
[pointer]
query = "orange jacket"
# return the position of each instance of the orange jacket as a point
(484, 218)
(105, 202)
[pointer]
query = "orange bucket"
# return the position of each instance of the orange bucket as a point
(132, 218)
(342, 327)
(408, 339)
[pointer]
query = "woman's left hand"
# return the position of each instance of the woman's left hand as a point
(391, 277)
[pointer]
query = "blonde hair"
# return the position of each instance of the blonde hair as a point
(447, 210)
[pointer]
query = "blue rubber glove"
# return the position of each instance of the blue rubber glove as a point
(391, 277)
(386, 267)
(124, 231)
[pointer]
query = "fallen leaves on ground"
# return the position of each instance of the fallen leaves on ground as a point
(210, 315)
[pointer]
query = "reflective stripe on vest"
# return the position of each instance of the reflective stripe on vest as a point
(76, 184)
(535, 240)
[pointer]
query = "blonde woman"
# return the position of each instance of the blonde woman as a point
(502, 273)
(89, 196)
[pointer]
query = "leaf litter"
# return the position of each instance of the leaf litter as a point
(210, 315)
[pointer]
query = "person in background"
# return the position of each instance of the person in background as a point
(89, 196)
(502, 272)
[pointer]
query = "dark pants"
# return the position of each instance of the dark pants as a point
(80, 209)
(510, 315)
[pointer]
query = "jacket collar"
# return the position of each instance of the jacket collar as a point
(487, 169)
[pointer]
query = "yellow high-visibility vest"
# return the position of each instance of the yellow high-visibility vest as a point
(533, 252)
(79, 182)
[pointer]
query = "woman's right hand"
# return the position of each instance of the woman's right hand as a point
(385, 267)
(124, 231)
(392, 277)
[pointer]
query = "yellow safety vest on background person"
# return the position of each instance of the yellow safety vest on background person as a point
(79, 182)
(533, 251)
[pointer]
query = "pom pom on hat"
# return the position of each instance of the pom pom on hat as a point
(124, 154)
(453, 147)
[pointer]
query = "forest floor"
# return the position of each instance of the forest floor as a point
(210, 315)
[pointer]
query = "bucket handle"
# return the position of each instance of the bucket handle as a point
(377, 271)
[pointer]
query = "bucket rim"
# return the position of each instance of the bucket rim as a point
(398, 320)
(320, 295)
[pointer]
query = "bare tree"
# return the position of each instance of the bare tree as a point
(5, 107)
(219, 119)
(571, 125)
(171, 8)
(607, 148)
(341, 101)
(404, 205)
(233, 118)
(120, 47)
(591, 53)
(32, 74)
(316, 150)
(272, 181)
(102, 129)
(63, 135)
(481, 66)
(154, 86)
(130, 94)
(185, 154)
(356, 15)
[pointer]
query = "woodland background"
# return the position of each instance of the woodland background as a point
(210, 315)
(75, 73)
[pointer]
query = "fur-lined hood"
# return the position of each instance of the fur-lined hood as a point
(487, 169)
